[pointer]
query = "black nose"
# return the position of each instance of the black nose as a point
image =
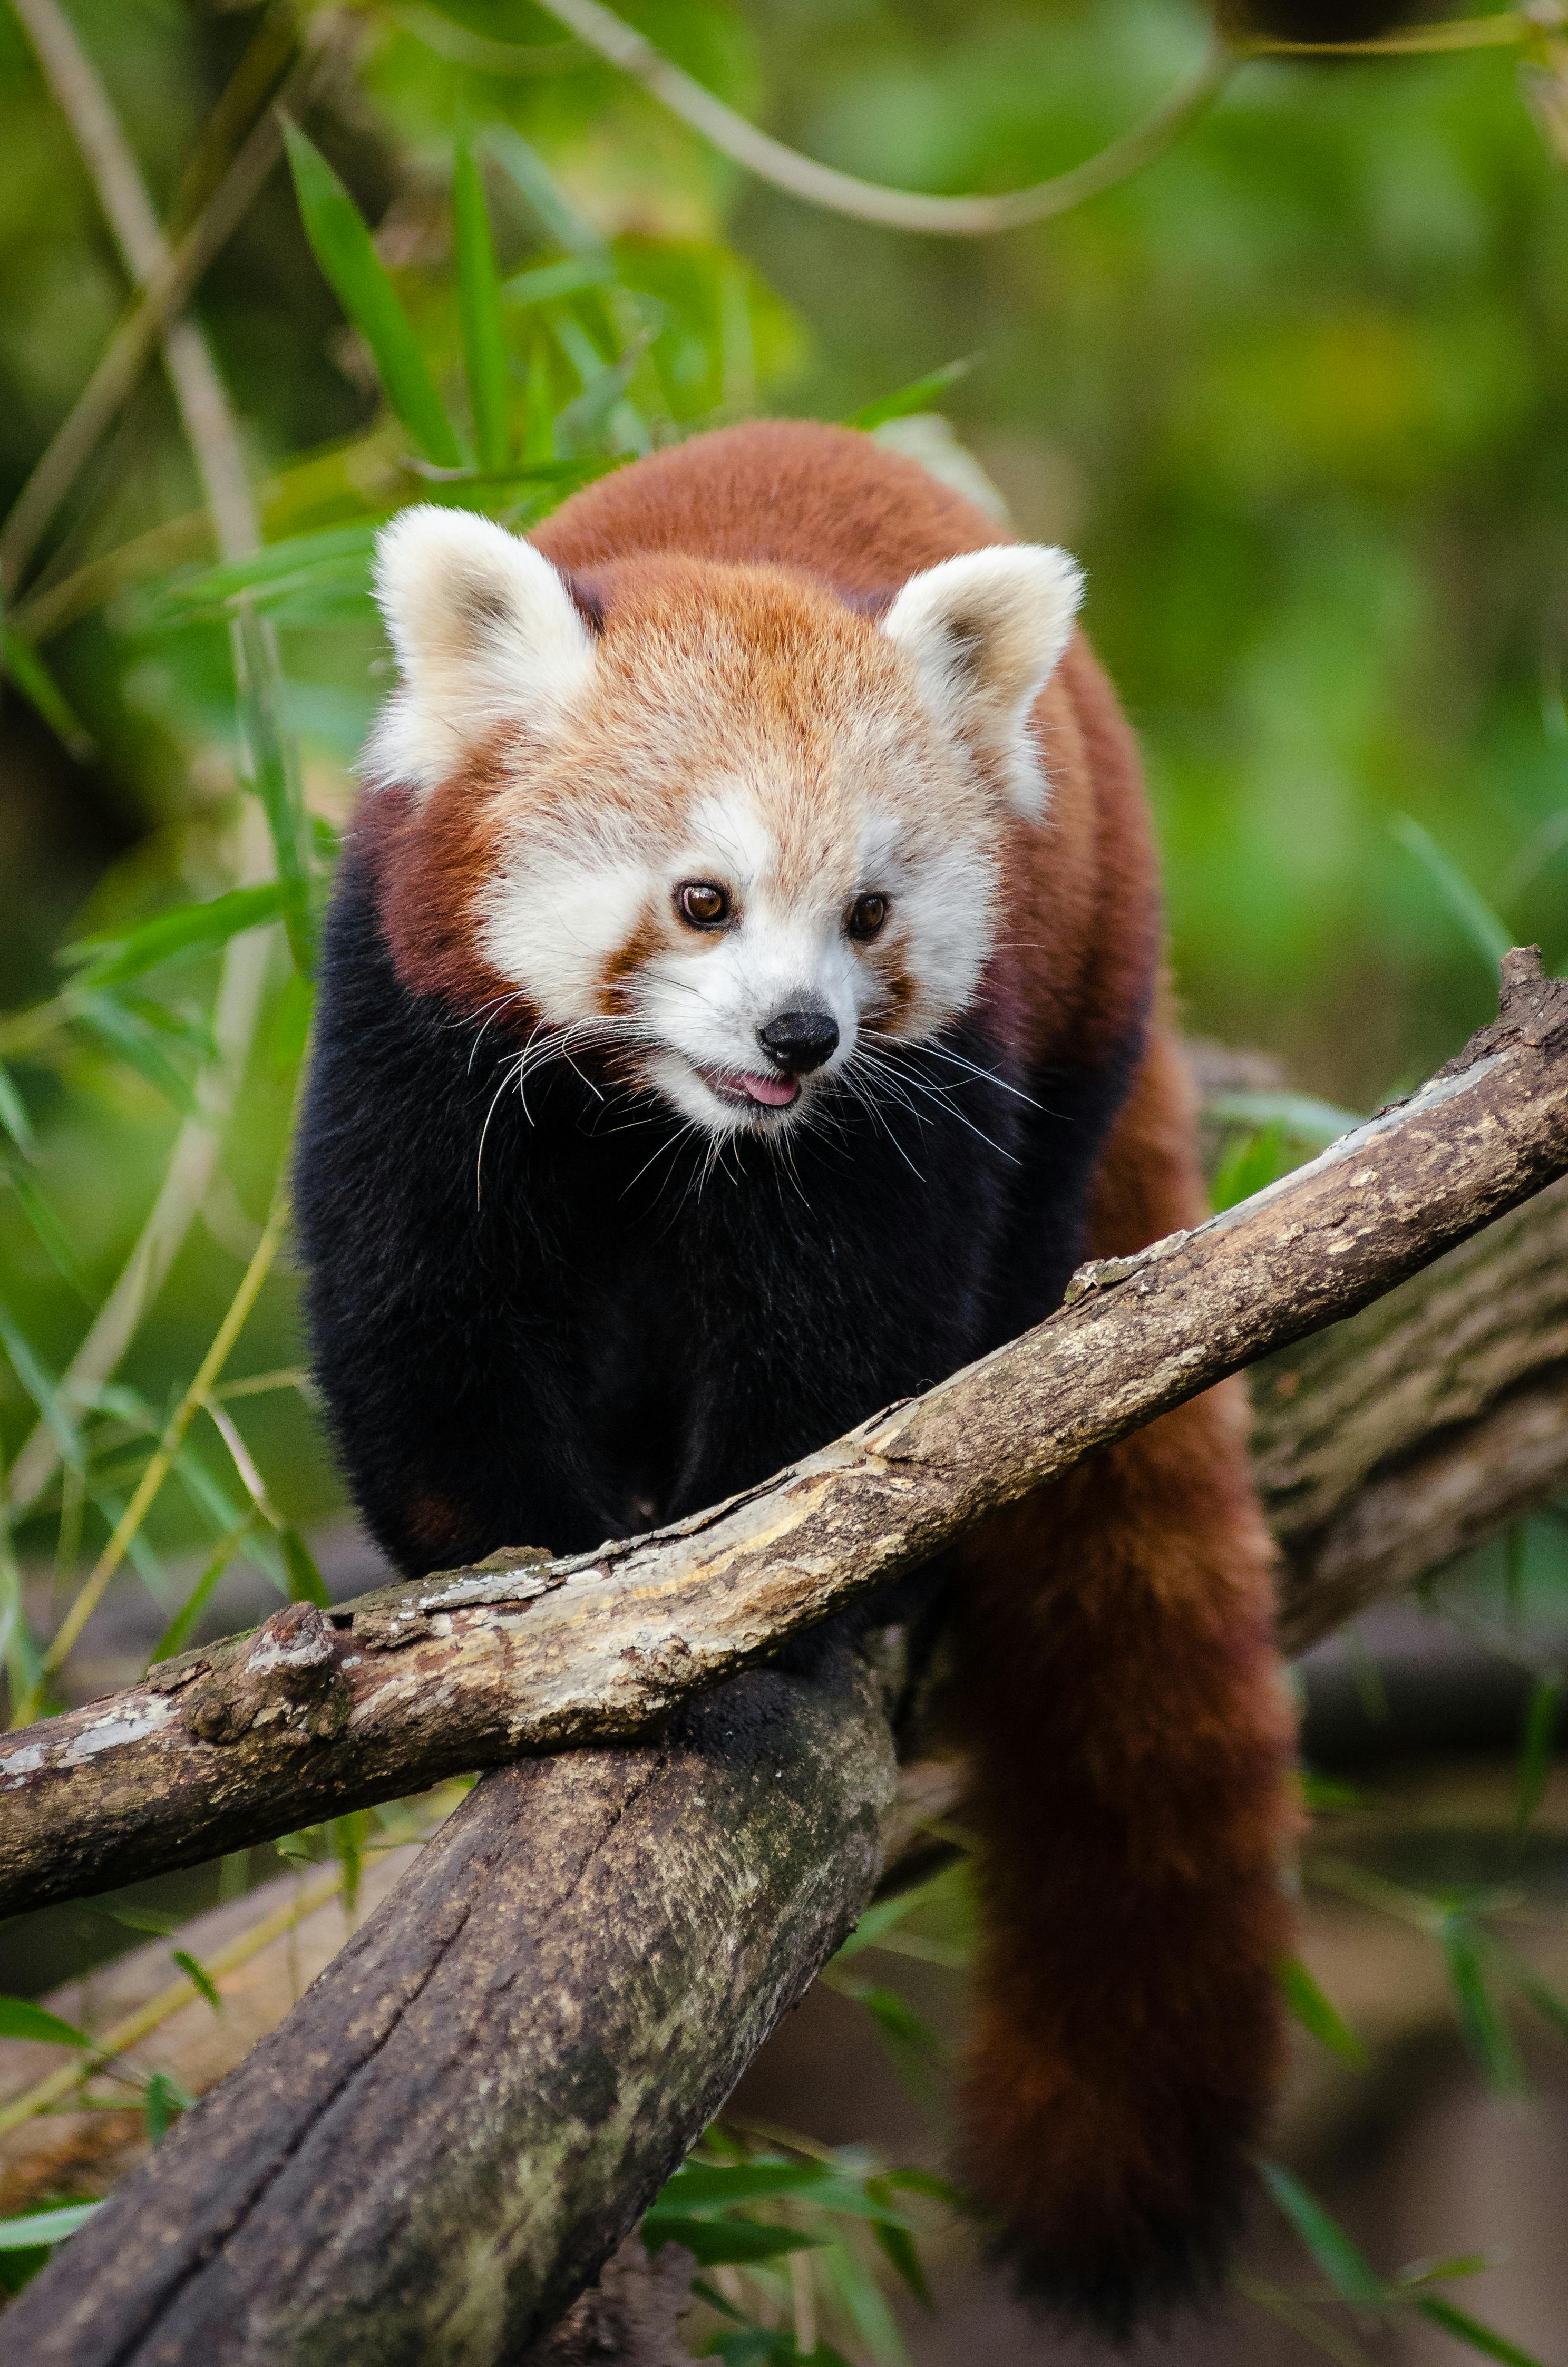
(800, 1040)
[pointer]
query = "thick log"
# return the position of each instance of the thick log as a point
(472, 2104)
(318, 1713)
(1386, 1446)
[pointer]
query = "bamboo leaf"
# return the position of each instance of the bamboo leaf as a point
(358, 278)
(35, 1378)
(478, 314)
(36, 685)
(1481, 2019)
(898, 2248)
(190, 929)
(275, 776)
(130, 1038)
(867, 2306)
(719, 2185)
(20, 2018)
(164, 2101)
(297, 559)
(878, 1921)
(546, 283)
(1549, 2003)
(1348, 2270)
(1536, 1749)
(35, 2227)
(918, 395)
(14, 1112)
(181, 1628)
(1302, 1118)
(533, 179)
(346, 1840)
(1463, 2264)
(1474, 915)
(50, 1231)
(1470, 2331)
(306, 1583)
(1291, 2311)
(721, 2243)
(1251, 1164)
(199, 1977)
(1318, 2014)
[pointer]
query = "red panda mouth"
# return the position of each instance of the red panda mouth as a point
(742, 1089)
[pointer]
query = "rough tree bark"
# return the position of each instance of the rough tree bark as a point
(318, 1713)
(1385, 1447)
(435, 2151)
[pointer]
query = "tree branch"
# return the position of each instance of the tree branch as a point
(320, 1712)
(435, 2151)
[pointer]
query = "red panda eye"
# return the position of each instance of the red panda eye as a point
(866, 915)
(701, 904)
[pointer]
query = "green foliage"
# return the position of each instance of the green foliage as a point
(1357, 2283)
(34, 2228)
(1318, 2014)
(20, 2019)
(835, 2202)
(479, 309)
(343, 246)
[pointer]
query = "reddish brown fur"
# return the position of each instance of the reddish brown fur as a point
(1127, 2039)
(1121, 1704)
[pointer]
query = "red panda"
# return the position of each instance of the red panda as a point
(741, 1006)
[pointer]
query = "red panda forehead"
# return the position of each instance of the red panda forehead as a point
(762, 643)
(752, 683)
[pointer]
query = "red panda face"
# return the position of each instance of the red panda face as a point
(737, 834)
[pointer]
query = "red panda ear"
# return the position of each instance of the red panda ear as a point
(486, 631)
(985, 632)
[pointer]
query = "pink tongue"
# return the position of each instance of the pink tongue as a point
(778, 1092)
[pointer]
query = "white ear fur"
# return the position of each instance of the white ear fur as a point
(985, 632)
(484, 630)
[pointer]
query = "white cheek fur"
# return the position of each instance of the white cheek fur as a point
(554, 921)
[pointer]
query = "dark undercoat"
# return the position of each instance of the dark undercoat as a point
(578, 1334)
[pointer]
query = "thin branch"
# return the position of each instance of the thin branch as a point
(982, 216)
(1507, 30)
(843, 193)
(321, 1712)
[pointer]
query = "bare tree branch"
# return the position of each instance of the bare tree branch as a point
(320, 1712)
(611, 37)
(842, 193)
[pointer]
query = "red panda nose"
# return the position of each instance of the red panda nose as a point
(799, 1041)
